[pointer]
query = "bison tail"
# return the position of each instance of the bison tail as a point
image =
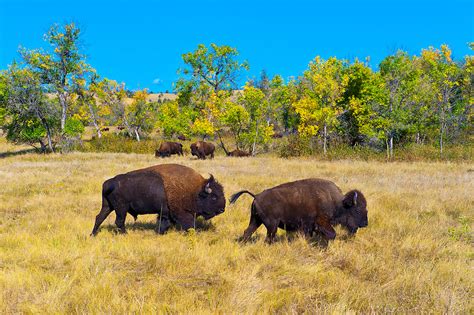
(236, 196)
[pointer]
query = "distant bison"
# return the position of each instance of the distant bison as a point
(177, 193)
(182, 138)
(120, 127)
(201, 149)
(168, 148)
(104, 129)
(238, 153)
(307, 205)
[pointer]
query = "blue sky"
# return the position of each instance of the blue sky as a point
(141, 42)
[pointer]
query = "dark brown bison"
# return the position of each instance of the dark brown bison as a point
(238, 153)
(182, 138)
(177, 193)
(104, 129)
(168, 148)
(120, 127)
(201, 149)
(309, 205)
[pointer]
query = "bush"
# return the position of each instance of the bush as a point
(118, 144)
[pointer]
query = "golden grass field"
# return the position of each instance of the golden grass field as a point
(416, 255)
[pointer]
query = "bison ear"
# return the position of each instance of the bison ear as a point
(350, 199)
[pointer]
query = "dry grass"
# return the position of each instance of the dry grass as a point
(415, 256)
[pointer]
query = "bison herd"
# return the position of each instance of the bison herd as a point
(199, 149)
(179, 194)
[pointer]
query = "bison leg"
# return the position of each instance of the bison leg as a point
(163, 220)
(271, 232)
(186, 220)
(212, 155)
(103, 214)
(254, 224)
(121, 214)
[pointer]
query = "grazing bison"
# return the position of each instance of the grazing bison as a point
(182, 138)
(168, 148)
(177, 193)
(201, 149)
(307, 205)
(104, 129)
(238, 153)
(120, 127)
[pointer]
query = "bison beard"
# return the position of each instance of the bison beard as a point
(176, 192)
(310, 205)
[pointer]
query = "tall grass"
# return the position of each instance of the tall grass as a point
(416, 255)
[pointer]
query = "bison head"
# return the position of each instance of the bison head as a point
(194, 150)
(353, 214)
(211, 200)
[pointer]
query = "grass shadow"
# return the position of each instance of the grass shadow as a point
(4, 155)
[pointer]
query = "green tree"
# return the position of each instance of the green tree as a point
(445, 77)
(324, 84)
(60, 68)
(28, 115)
(215, 66)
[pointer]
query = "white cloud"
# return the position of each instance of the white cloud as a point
(157, 81)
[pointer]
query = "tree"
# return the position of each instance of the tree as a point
(260, 129)
(445, 77)
(215, 66)
(140, 115)
(173, 120)
(364, 102)
(29, 116)
(59, 69)
(324, 84)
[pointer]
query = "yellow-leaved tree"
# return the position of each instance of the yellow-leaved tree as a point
(323, 86)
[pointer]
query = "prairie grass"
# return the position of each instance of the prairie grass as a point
(416, 255)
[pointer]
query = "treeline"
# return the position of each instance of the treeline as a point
(51, 95)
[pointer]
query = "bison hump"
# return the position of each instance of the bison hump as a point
(182, 185)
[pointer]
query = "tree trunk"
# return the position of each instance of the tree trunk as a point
(222, 144)
(63, 103)
(387, 149)
(137, 135)
(325, 139)
(43, 146)
(441, 140)
(94, 120)
(255, 139)
(48, 134)
(391, 147)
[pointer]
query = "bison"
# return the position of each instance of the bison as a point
(309, 205)
(238, 153)
(104, 129)
(201, 149)
(177, 193)
(182, 137)
(168, 148)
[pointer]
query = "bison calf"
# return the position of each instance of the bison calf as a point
(309, 205)
(238, 153)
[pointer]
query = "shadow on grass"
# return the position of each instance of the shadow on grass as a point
(15, 153)
(317, 240)
(201, 225)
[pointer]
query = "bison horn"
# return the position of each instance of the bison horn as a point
(355, 198)
(208, 189)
